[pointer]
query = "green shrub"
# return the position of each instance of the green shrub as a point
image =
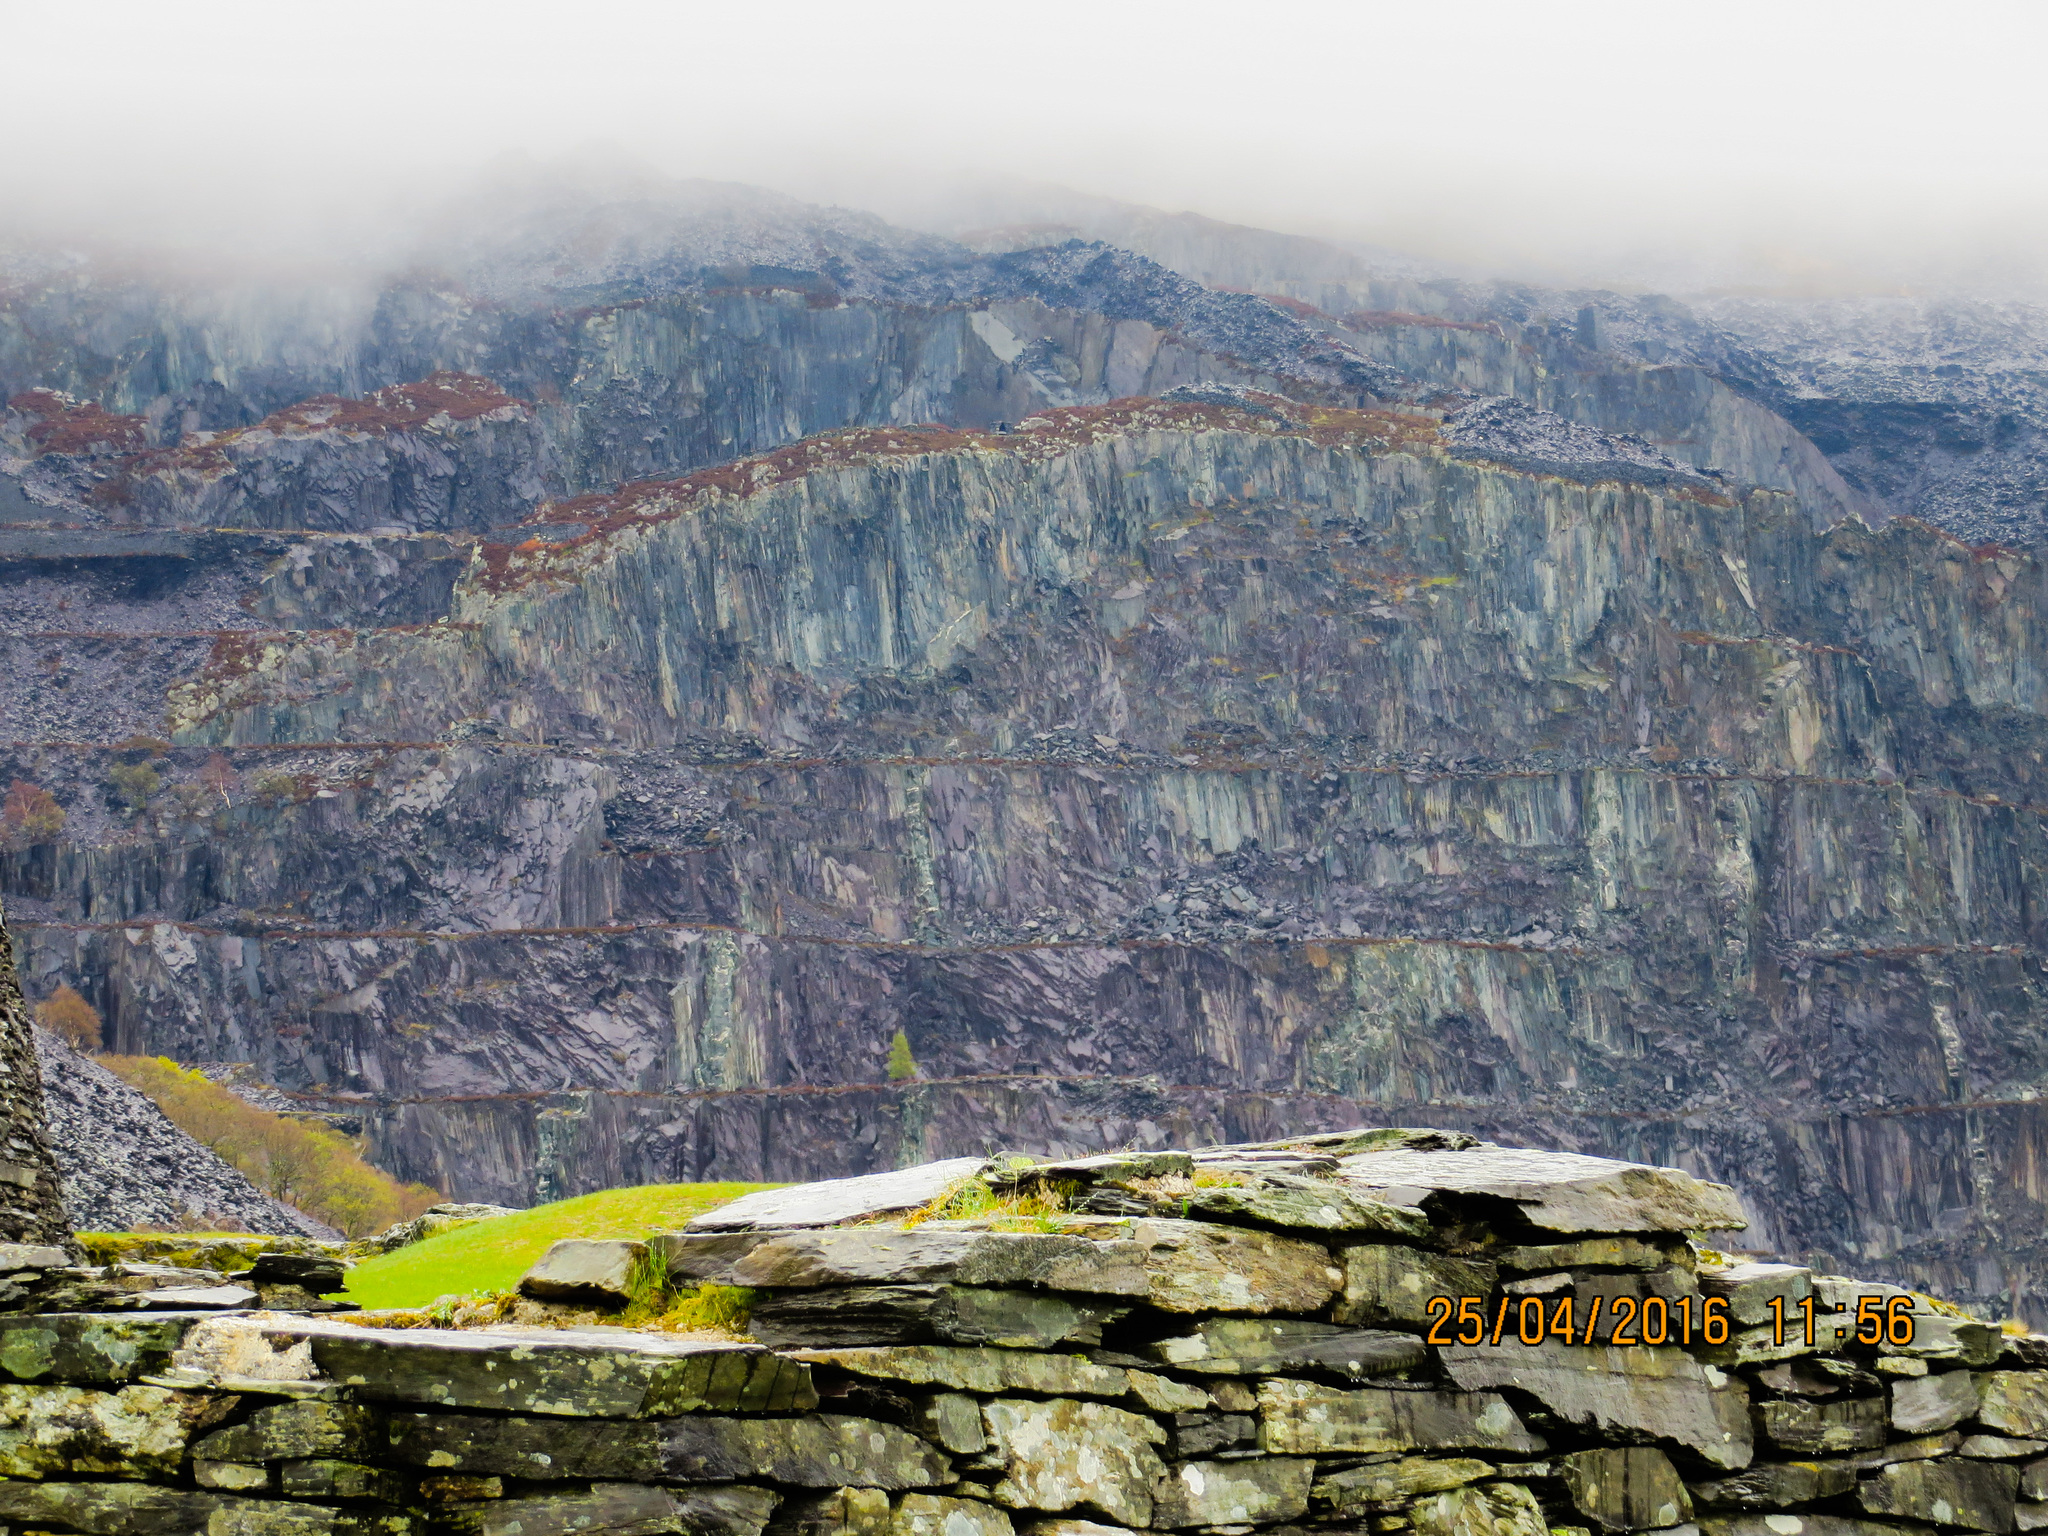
(902, 1065)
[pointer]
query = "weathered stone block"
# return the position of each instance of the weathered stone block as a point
(1162, 1394)
(620, 1509)
(1065, 1455)
(1254, 1491)
(1824, 1428)
(1923, 1404)
(1387, 1283)
(1389, 1482)
(1073, 1528)
(1999, 1448)
(90, 1347)
(1749, 1290)
(1557, 1191)
(952, 1420)
(1302, 1205)
(831, 1201)
(1662, 1392)
(585, 1269)
(1194, 1435)
(292, 1431)
(817, 1451)
(1632, 1488)
(842, 1512)
(989, 1372)
(1593, 1253)
(138, 1509)
(2014, 1401)
(1777, 1485)
(1192, 1266)
(1302, 1419)
(1491, 1509)
(48, 1431)
(230, 1476)
(2034, 1480)
(1283, 1347)
(584, 1372)
(852, 1316)
(930, 1514)
(1802, 1525)
(326, 1479)
(2030, 1517)
(1973, 1494)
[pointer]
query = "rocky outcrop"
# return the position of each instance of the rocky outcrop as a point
(124, 1165)
(1055, 1346)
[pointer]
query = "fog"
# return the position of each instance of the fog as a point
(1816, 146)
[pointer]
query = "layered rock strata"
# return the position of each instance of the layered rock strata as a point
(1387, 1331)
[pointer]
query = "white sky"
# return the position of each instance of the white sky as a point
(1859, 141)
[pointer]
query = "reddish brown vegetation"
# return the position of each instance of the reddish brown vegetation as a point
(1386, 319)
(59, 425)
(507, 567)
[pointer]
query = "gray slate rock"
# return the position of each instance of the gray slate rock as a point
(1972, 1494)
(89, 1348)
(1557, 1191)
(624, 1509)
(138, 1509)
(292, 1431)
(1256, 1491)
(1775, 1485)
(931, 1514)
(917, 1314)
(1387, 1283)
(1064, 1455)
(582, 1268)
(833, 1201)
(1488, 1509)
(1284, 1347)
(1626, 1488)
(1824, 1428)
(1388, 1482)
(131, 1432)
(1302, 1419)
(1923, 1404)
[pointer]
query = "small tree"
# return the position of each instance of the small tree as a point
(219, 776)
(902, 1065)
(135, 783)
(31, 813)
(70, 1018)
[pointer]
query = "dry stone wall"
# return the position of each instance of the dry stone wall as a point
(1367, 1331)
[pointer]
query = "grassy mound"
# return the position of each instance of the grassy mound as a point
(492, 1255)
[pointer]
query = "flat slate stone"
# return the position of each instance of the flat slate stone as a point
(133, 1431)
(575, 1268)
(1777, 1485)
(1388, 1283)
(1489, 1509)
(1626, 1488)
(833, 1201)
(1557, 1191)
(1194, 1435)
(931, 1514)
(1390, 1482)
(620, 1509)
(90, 1347)
(816, 1451)
(1801, 1525)
(1998, 1448)
(1193, 1266)
(1254, 1491)
(859, 1256)
(1303, 1205)
(599, 1373)
(1663, 1393)
(1303, 1419)
(1923, 1404)
(1974, 1494)
(326, 1479)
(842, 1512)
(1750, 1288)
(291, 1431)
(1591, 1253)
(851, 1316)
(1065, 1454)
(1284, 1347)
(137, 1509)
(989, 1372)
(953, 1420)
(1824, 1428)
(2014, 1401)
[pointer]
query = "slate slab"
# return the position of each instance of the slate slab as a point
(594, 1372)
(1303, 1205)
(989, 1372)
(1390, 1283)
(1489, 1509)
(1923, 1404)
(619, 1509)
(816, 1451)
(582, 1268)
(931, 1514)
(289, 1431)
(1773, 1485)
(1976, 1495)
(1286, 1347)
(90, 1347)
(1626, 1488)
(849, 1316)
(2014, 1401)
(1557, 1191)
(132, 1431)
(1824, 1428)
(842, 1512)
(1300, 1418)
(1389, 1482)
(1065, 1454)
(138, 1509)
(832, 1201)
(1663, 1392)
(1254, 1491)
(1749, 1290)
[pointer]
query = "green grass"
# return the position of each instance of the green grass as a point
(492, 1255)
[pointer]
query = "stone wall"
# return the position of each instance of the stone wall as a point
(1233, 1340)
(31, 1194)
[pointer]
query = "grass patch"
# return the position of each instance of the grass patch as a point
(492, 1255)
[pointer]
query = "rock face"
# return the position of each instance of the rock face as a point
(1485, 1418)
(124, 1165)
(31, 1191)
(1443, 714)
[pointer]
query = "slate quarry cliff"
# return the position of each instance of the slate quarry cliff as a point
(1214, 722)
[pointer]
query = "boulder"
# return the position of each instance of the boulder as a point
(1066, 1454)
(1302, 1419)
(1255, 1491)
(1626, 1488)
(1285, 1347)
(585, 1269)
(1659, 1392)
(832, 1201)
